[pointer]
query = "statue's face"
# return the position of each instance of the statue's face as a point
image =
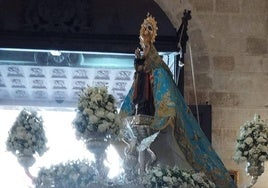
(146, 33)
(147, 29)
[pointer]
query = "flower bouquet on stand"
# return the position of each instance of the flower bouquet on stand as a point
(169, 177)
(26, 138)
(74, 174)
(252, 147)
(96, 114)
(97, 122)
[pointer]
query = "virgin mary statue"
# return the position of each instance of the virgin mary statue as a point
(157, 95)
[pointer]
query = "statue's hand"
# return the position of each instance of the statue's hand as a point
(138, 53)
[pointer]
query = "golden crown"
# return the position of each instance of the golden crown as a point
(148, 30)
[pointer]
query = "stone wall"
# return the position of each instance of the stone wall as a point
(228, 41)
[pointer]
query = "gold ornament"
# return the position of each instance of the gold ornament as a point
(148, 30)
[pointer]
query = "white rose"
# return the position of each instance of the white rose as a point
(255, 156)
(251, 151)
(20, 129)
(262, 158)
(198, 177)
(87, 111)
(179, 179)
(174, 179)
(31, 121)
(74, 176)
(90, 127)
(82, 104)
(21, 135)
(238, 153)
(158, 173)
(264, 135)
(93, 119)
(248, 140)
(102, 127)
(261, 139)
(100, 113)
(264, 149)
(245, 153)
(242, 146)
(185, 174)
(35, 127)
(110, 106)
(167, 179)
(27, 151)
(92, 104)
(33, 138)
(26, 145)
(110, 116)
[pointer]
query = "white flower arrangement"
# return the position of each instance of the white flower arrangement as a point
(75, 174)
(175, 177)
(27, 137)
(252, 144)
(96, 113)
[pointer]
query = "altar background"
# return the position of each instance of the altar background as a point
(228, 39)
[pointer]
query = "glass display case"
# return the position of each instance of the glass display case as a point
(54, 78)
